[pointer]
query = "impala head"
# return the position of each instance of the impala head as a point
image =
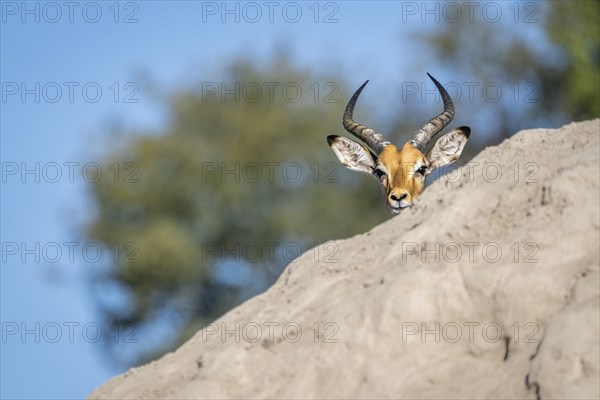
(401, 170)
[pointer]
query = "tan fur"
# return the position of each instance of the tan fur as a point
(400, 164)
(401, 171)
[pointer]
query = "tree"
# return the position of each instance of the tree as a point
(208, 212)
(544, 58)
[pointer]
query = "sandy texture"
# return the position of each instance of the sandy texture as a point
(487, 288)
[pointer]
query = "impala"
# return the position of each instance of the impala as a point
(401, 171)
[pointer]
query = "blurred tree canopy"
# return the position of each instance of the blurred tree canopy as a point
(543, 56)
(207, 213)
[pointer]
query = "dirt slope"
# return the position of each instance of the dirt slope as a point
(487, 288)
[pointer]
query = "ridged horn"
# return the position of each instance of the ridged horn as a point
(374, 140)
(435, 125)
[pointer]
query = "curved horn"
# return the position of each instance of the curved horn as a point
(373, 139)
(435, 125)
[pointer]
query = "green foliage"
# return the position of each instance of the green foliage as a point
(575, 27)
(184, 207)
(547, 65)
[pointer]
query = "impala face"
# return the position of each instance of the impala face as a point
(401, 171)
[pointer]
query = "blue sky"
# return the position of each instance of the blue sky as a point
(175, 43)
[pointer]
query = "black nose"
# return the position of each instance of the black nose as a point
(398, 198)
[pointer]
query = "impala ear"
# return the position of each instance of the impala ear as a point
(352, 154)
(448, 148)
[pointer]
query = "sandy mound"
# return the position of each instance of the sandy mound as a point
(487, 288)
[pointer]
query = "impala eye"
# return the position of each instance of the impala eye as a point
(378, 173)
(422, 170)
